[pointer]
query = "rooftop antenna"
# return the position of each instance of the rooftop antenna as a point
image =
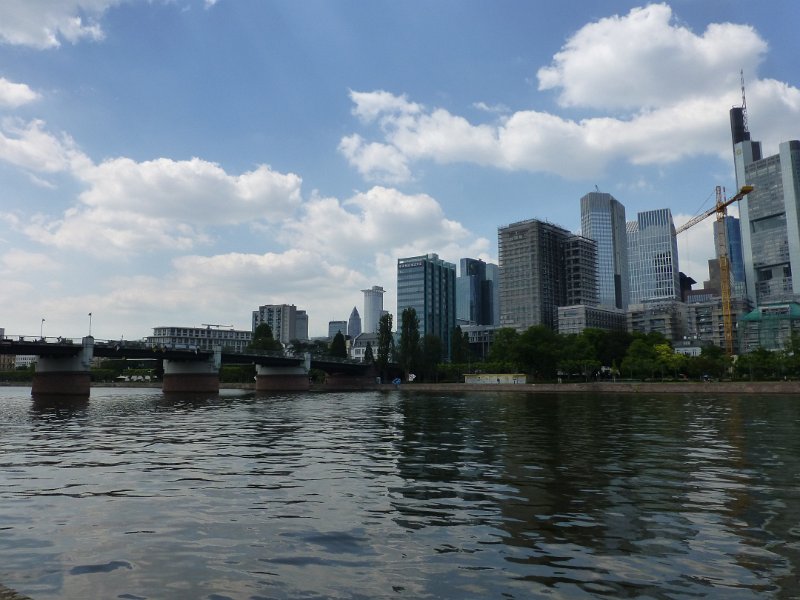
(744, 102)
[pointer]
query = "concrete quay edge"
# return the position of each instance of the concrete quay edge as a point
(633, 387)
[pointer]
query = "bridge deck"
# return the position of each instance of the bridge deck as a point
(111, 349)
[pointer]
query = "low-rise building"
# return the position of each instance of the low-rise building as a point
(358, 345)
(574, 319)
(206, 337)
(667, 317)
(480, 338)
(23, 361)
(769, 326)
(705, 323)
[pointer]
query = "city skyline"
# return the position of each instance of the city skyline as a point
(185, 161)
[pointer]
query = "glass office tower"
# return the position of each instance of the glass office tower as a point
(476, 292)
(428, 285)
(770, 214)
(603, 220)
(653, 257)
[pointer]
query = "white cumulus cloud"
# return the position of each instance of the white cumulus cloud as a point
(46, 23)
(16, 260)
(13, 94)
(646, 59)
(380, 220)
(669, 89)
(134, 207)
(31, 147)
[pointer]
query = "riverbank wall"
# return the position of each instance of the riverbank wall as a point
(609, 387)
(605, 387)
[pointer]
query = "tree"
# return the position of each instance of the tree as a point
(792, 355)
(609, 346)
(641, 359)
(263, 340)
(431, 356)
(369, 357)
(313, 347)
(538, 351)
(409, 341)
(504, 347)
(338, 346)
(712, 361)
(759, 365)
(577, 357)
(459, 347)
(668, 359)
(385, 342)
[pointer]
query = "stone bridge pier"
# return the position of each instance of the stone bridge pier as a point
(284, 379)
(349, 382)
(58, 375)
(193, 376)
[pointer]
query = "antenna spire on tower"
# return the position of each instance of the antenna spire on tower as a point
(744, 102)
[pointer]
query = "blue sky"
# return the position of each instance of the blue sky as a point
(178, 162)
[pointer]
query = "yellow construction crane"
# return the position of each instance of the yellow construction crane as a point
(721, 210)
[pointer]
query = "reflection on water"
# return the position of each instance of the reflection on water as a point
(61, 406)
(137, 495)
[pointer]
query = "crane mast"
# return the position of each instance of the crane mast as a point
(721, 210)
(724, 273)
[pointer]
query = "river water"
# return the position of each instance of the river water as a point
(135, 495)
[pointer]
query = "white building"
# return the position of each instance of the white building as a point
(358, 346)
(206, 337)
(373, 309)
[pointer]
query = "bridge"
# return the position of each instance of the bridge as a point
(64, 366)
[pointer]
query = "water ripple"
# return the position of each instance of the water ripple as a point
(134, 495)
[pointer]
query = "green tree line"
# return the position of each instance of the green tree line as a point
(546, 356)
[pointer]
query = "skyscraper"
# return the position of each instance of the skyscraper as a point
(493, 276)
(475, 292)
(653, 257)
(428, 285)
(533, 272)
(603, 220)
(300, 325)
(335, 327)
(770, 214)
(354, 324)
(373, 308)
(580, 271)
(733, 237)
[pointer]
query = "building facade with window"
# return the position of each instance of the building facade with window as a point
(770, 215)
(542, 267)
(281, 318)
(354, 324)
(653, 257)
(335, 327)
(206, 337)
(373, 309)
(603, 220)
(476, 292)
(428, 285)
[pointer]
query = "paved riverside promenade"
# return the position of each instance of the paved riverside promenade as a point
(608, 387)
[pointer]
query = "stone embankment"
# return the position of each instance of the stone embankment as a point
(608, 387)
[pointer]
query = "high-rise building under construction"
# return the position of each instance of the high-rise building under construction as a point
(542, 267)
